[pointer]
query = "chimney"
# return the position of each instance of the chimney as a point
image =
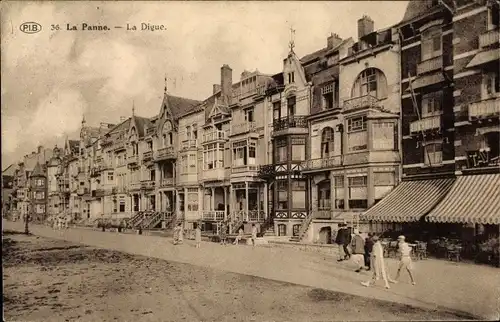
(216, 88)
(333, 40)
(365, 26)
(226, 82)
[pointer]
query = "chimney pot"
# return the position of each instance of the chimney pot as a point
(333, 40)
(365, 26)
(226, 82)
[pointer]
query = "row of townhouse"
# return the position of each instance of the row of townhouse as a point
(399, 125)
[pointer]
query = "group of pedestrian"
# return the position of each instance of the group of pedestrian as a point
(368, 253)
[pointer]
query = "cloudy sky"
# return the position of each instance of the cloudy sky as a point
(51, 78)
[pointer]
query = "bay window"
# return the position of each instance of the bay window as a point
(357, 136)
(298, 194)
(192, 163)
(213, 156)
(192, 202)
(358, 192)
(244, 153)
(298, 149)
(383, 136)
(338, 193)
(281, 151)
(282, 187)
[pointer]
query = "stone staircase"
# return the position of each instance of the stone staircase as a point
(237, 226)
(303, 229)
(151, 220)
(135, 221)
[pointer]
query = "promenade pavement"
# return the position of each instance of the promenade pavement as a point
(462, 287)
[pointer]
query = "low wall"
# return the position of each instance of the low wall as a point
(328, 249)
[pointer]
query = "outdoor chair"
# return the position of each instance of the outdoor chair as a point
(453, 252)
(421, 250)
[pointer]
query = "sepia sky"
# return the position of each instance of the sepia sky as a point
(51, 78)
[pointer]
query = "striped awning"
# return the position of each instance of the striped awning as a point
(427, 80)
(409, 201)
(484, 57)
(472, 199)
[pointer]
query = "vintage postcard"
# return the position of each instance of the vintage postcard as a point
(250, 160)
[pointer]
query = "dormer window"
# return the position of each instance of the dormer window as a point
(291, 77)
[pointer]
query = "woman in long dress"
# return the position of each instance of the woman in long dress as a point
(178, 234)
(378, 264)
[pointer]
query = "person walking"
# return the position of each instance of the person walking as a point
(178, 237)
(198, 235)
(368, 250)
(378, 264)
(239, 237)
(254, 234)
(358, 250)
(223, 233)
(405, 261)
(339, 240)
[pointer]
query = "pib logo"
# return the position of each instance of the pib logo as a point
(30, 27)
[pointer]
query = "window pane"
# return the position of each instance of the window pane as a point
(298, 199)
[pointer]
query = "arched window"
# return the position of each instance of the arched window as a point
(371, 82)
(327, 146)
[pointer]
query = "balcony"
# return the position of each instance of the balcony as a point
(119, 146)
(147, 184)
(267, 171)
(133, 159)
(165, 153)
(484, 109)
(250, 216)
(167, 182)
(290, 122)
(366, 101)
(82, 191)
(189, 144)
(489, 38)
(214, 136)
(426, 124)
(242, 128)
(214, 174)
(135, 185)
(322, 163)
(213, 215)
(430, 65)
(244, 168)
(147, 156)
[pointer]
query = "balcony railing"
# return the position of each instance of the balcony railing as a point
(365, 101)
(135, 185)
(146, 156)
(165, 182)
(188, 144)
(489, 38)
(292, 121)
(213, 215)
(214, 174)
(430, 65)
(214, 136)
(322, 163)
(425, 124)
(244, 168)
(147, 184)
(150, 131)
(165, 153)
(251, 215)
(484, 109)
(244, 127)
(131, 159)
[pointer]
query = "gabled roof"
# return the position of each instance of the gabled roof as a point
(141, 124)
(9, 171)
(180, 106)
(37, 171)
(417, 8)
